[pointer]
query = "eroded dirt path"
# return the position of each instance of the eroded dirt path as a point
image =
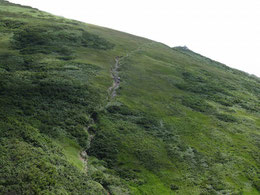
(83, 154)
(116, 79)
(111, 95)
(115, 71)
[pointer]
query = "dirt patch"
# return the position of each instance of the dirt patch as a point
(116, 79)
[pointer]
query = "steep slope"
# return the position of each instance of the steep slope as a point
(90, 110)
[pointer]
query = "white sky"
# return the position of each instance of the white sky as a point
(225, 30)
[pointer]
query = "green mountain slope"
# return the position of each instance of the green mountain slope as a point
(90, 110)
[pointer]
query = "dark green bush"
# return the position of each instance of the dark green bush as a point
(94, 41)
(119, 109)
(256, 184)
(223, 100)
(174, 187)
(226, 117)
(31, 40)
(197, 104)
(11, 24)
(26, 169)
(250, 106)
(126, 173)
(105, 146)
(11, 62)
(80, 134)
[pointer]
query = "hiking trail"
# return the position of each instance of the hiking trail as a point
(83, 156)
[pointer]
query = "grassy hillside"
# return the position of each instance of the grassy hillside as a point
(180, 123)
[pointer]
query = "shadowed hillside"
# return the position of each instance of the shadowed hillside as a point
(90, 110)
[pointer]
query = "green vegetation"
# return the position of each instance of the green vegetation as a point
(56, 39)
(180, 123)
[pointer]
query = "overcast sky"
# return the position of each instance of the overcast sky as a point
(225, 30)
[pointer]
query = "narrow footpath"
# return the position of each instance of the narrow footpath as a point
(111, 95)
(116, 79)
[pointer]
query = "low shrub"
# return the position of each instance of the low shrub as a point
(11, 24)
(197, 104)
(226, 117)
(12, 62)
(31, 40)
